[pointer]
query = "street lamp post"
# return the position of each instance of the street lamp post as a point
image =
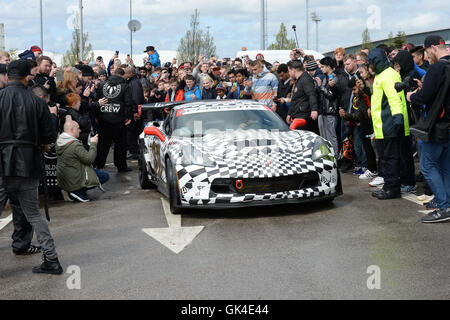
(131, 31)
(81, 30)
(307, 24)
(42, 26)
(316, 19)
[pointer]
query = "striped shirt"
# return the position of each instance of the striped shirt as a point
(265, 87)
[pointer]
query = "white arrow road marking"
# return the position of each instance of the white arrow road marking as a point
(4, 222)
(175, 237)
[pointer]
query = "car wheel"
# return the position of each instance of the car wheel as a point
(144, 181)
(172, 187)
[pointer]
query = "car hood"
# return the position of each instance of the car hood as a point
(249, 145)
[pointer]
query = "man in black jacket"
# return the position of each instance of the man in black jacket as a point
(435, 163)
(284, 91)
(113, 118)
(304, 104)
(25, 124)
(45, 76)
(135, 127)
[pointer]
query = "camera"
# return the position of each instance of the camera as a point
(408, 85)
(160, 93)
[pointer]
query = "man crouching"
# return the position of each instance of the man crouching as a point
(74, 170)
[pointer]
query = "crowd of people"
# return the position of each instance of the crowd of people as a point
(363, 104)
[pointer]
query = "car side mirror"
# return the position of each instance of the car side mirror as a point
(153, 131)
(297, 123)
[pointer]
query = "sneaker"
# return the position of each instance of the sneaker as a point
(79, 196)
(437, 216)
(358, 171)
(368, 175)
(430, 205)
(31, 250)
(378, 181)
(404, 189)
(49, 266)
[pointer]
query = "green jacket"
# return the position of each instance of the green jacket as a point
(74, 169)
(388, 107)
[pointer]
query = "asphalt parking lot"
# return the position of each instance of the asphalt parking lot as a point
(311, 251)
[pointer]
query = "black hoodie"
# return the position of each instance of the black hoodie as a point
(120, 104)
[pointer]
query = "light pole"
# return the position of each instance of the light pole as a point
(42, 26)
(81, 30)
(307, 24)
(263, 25)
(316, 19)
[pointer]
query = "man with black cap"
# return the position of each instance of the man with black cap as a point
(26, 123)
(418, 56)
(435, 164)
(153, 56)
(3, 76)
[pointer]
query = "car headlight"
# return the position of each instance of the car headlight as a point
(192, 156)
(322, 150)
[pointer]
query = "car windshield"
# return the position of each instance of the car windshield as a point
(201, 123)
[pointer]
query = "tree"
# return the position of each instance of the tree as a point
(281, 40)
(196, 42)
(13, 54)
(72, 56)
(399, 40)
(366, 41)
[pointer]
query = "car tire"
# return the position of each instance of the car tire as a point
(172, 187)
(144, 181)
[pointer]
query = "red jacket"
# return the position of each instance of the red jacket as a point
(179, 96)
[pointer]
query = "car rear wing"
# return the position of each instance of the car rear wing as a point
(143, 109)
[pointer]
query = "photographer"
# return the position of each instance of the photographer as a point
(26, 123)
(435, 96)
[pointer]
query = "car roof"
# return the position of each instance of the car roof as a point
(220, 105)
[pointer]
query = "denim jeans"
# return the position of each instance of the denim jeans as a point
(361, 158)
(23, 196)
(435, 166)
(103, 176)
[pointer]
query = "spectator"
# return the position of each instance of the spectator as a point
(192, 91)
(434, 163)
(360, 116)
(264, 85)
(390, 121)
(330, 94)
(74, 169)
(284, 90)
(418, 55)
(237, 89)
(153, 56)
(135, 128)
(3, 76)
(26, 123)
(45, 76)
(174, 93)
(33, 54)
(4, 58)
(339, 55)
(366, 51)
(113, 118)
(304, 104)
(361, 58)
(221, 93)
(208, 92)
(200, 72)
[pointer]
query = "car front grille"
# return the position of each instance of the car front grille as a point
(265, 185)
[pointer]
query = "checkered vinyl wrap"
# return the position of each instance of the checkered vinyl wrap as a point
(247, 154)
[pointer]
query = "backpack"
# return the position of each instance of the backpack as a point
(429, 127)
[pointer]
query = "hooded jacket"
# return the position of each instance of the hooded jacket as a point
(154, 59)
(25, 124)
(120, 104)
(74, 167)
(194, 91)
(389, 111)
(27, 54)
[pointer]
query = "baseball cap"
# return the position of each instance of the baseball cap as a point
(19, 68)
(433, 40)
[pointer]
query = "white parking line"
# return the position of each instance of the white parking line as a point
(4, 222)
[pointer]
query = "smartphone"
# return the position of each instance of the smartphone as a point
(117, 52)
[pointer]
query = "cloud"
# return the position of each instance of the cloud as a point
(233, 23)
